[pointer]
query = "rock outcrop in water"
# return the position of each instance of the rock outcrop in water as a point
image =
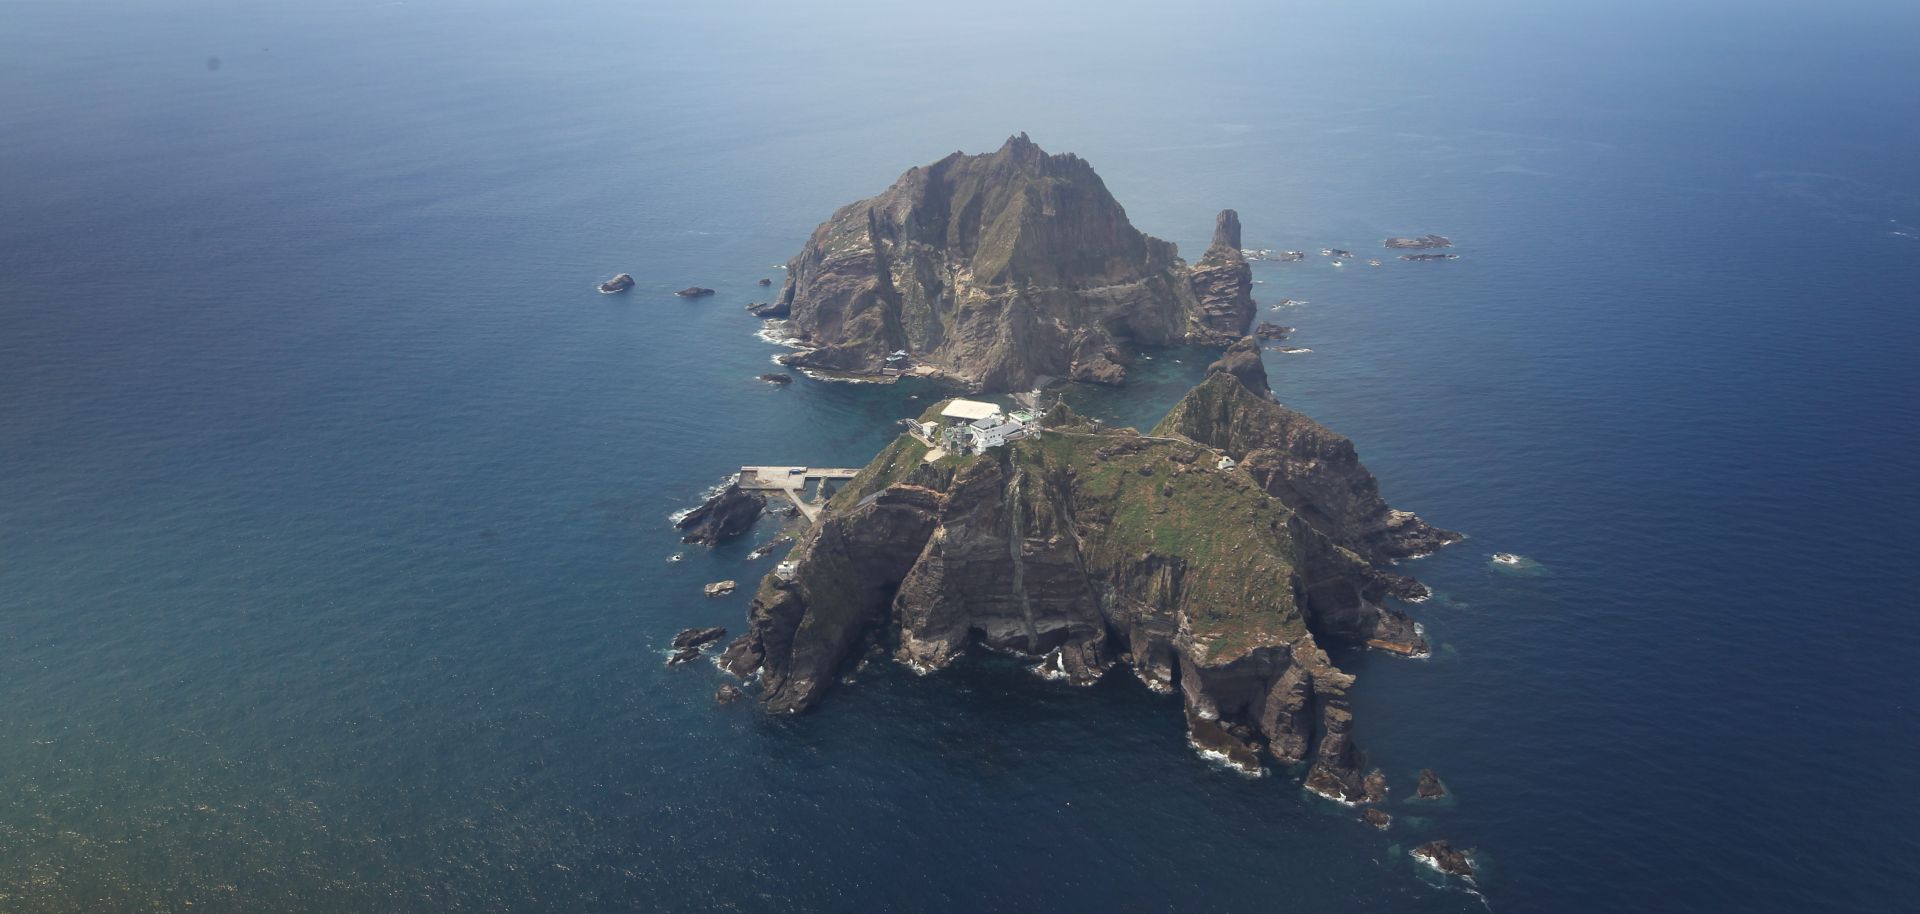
(1223, 281)
(1085, 549)
(620, 283)
(993, 270)
(1311, 469)
(729, 513)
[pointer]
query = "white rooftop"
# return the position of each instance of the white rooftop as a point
(969, 410)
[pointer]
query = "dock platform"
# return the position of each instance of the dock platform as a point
(791, 481)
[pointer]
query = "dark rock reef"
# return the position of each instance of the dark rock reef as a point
(1311, 469)
(729, 513)
(777, 378)
(698, 637)
(772, 310)
(620, 283)
(1086, 549)
(694, 292)
(1421, 242)
(996, 269)
(1430, 787)
(1441, 856)
(1269, 330)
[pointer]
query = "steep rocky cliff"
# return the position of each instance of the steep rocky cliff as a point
(994, 269)
(1311, 469)
(1085, 548)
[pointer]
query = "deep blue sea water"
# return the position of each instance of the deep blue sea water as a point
(333, 541)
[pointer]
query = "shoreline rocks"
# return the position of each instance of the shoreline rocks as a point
(729, 513)
(777, 310)
(777, 378)
(698, 637)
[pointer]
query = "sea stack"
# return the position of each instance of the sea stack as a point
(997, 269)
(620, 283)
(1223, 281)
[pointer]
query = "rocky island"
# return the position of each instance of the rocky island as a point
(620, 283)
(1214, 557)
(991, 271)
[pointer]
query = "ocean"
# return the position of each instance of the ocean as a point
(334, 551)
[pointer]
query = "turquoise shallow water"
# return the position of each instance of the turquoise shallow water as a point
(332, 498)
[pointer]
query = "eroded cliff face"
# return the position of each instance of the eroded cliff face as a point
(1085, 549)
(1299, 461)
(995, 269)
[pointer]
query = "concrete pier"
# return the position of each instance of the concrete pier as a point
(792, 482)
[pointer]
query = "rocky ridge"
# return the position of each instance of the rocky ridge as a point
(1312, 469)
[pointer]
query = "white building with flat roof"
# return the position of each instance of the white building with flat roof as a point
(969, 410)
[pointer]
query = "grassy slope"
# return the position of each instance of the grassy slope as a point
(1231, 535)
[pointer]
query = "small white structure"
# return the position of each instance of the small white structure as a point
(1226, 463)
(785, 570)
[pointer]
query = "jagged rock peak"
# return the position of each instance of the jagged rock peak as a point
(1223, 282)
(1226, 232)
(992, 270)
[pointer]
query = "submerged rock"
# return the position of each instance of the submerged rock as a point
(1441, 856)
(1269, 330)
(765, 282)
(683, 655)
(1377, 818)
(620, 283)
(776, 377)
(729, 513)
(698, 637)
(996, 269)
(694, 292)
(727, 694)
